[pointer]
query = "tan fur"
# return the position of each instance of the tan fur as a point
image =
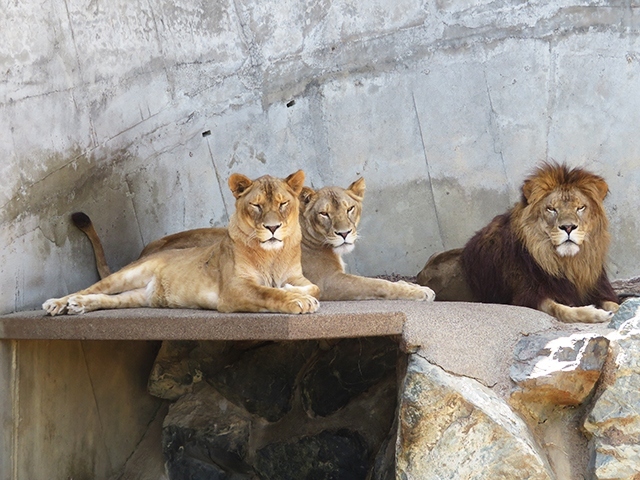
(329, 219)
(254, 267)
(444, 274)
(562, 224)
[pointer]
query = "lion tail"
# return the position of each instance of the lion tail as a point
(83, 222)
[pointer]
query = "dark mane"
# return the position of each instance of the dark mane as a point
(499, 269)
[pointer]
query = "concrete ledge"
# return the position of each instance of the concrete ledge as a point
(333, 320)
(474, 340)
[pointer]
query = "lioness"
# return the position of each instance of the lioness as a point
(548, 252)
(329, 220)
(254, 267)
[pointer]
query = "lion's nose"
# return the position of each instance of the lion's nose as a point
(568, 228)
(344, 234)
(273, 228)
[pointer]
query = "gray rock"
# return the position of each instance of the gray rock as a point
(558, 371)
(454, 428)
(206, 437)
(614, 419)
(628, 310)
(347, 370)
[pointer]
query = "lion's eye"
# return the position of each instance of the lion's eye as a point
(552, 210)
(256, 207)
(581, 209)
(283, 205)
(351, 209)
(324, 214)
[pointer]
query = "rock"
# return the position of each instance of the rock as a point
(303, 409)
(628, 309)
(172, 374)
(262, 380)
(455, 428)
(557, 371)
(348, 369)
(614, 419)
(341, 454)
(553, 376)
(180, 365)
(206, 437)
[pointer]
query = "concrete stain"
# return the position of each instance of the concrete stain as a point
(61, 191)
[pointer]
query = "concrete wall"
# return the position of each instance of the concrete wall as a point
(442, 106)
(74, 410)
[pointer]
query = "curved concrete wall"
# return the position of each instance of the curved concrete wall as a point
(137, 112)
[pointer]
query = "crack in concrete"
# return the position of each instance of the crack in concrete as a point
(494, 131)
(97, 405)
(426, 159)
(15, 406)
(131, 196)
(217, 174)
(39, 229)
(159, 410)
(551, 100)
(454, 374)
(73, 38)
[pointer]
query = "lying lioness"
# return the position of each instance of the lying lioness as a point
(329, 220)
(253, 267)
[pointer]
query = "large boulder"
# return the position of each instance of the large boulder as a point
(551, 370)
(614, 419)
(454, 428)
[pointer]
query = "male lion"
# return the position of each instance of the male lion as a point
(254, 267)
(329, 219)
(548, 252)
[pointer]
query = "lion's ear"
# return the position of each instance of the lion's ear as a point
(601, 188)
(296, 181)
(239, 184)
(358, 187)
(527, 190)
(306, 195)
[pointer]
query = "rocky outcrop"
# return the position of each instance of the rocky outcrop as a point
(454, 428)
(548, 370)
(614, 418)
(275, 410)
(553, 376)
(378, 408)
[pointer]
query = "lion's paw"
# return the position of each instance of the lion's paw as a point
(55, 306)
(592, 314)
(612, 307)
(303, 304)
(76, 305)
(418, 292)
(601, 315)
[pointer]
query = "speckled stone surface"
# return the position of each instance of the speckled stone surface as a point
(475, 340)
(333, 320)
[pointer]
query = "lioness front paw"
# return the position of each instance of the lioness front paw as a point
(418, 292)
(55, 306)
(303, 304)
(76, 306)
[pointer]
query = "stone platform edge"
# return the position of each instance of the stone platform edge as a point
(332, 320)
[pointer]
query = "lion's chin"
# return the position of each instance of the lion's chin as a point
(272, 244)
(344, 248)
(567, 249)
